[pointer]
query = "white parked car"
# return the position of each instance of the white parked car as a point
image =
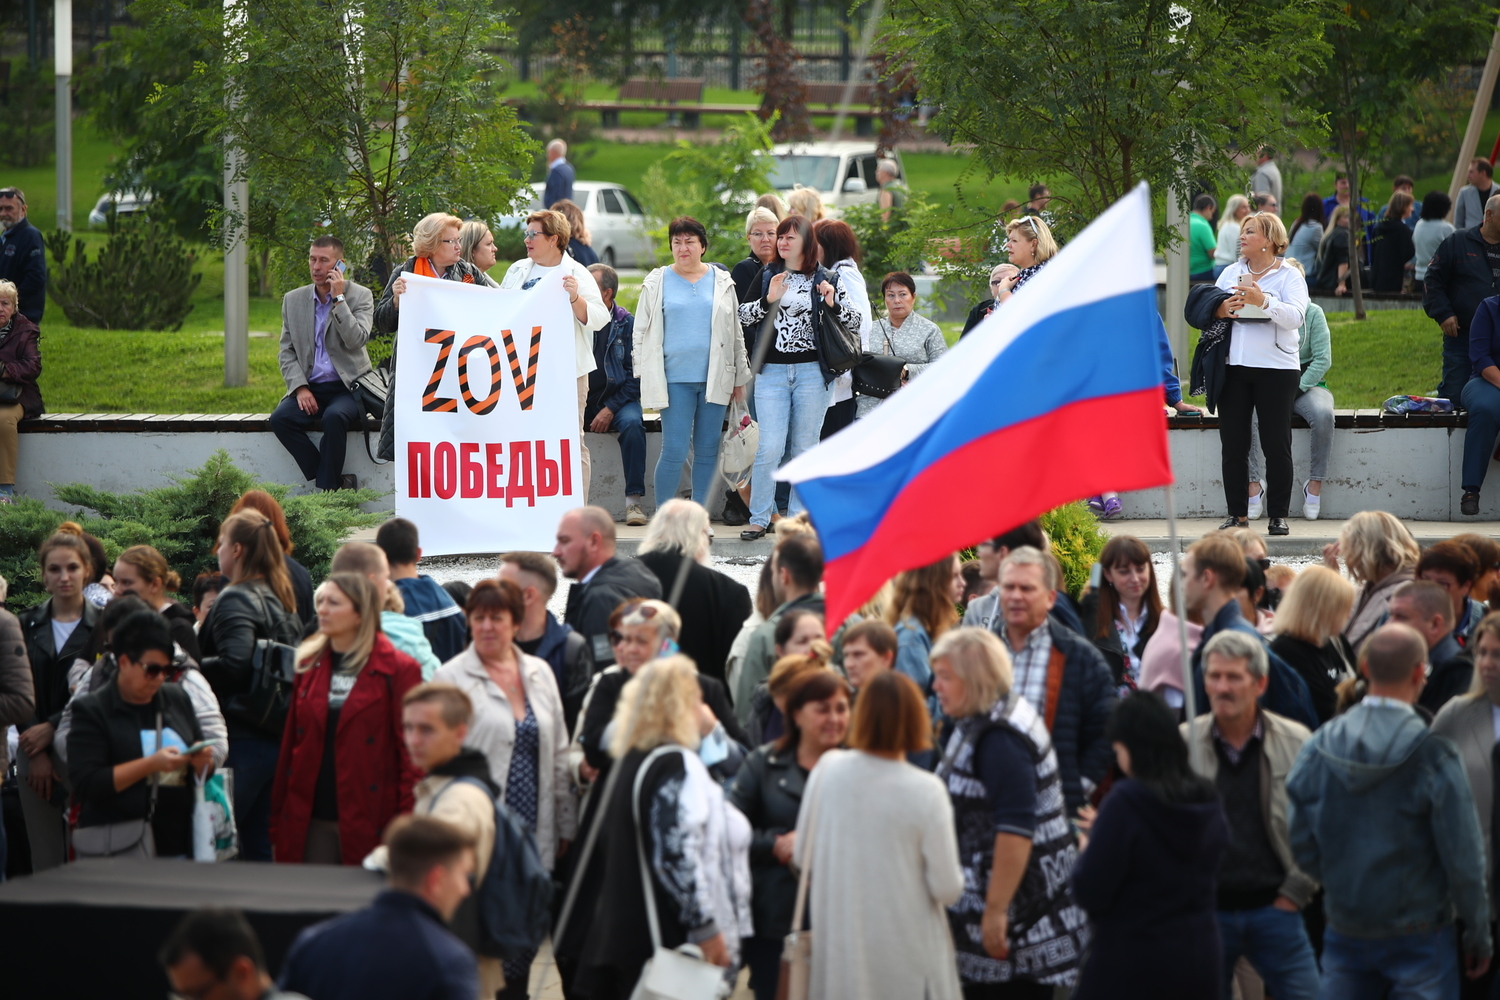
(124, 203)
(615, 220)
(842, 172)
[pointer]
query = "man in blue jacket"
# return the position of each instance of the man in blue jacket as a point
(399, 947)
(1382, 815)
(1213, 572)
(614, 402)
(442, 620)
(559, 175)
(542, 635)
(23, 255)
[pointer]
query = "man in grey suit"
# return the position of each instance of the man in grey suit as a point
(324, 327)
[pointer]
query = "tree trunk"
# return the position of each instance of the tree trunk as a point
(1356, 231)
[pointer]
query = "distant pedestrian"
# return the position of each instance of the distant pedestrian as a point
(585, 552)
(1266, 178)
(23, 254)
(1201, 242)
(1227, 249)
(1459, 277)
(877, 837)
(1148, 874)
(560, 174)
(398, 947)
(1029, 244)
(1431, 230)
(1474, 197)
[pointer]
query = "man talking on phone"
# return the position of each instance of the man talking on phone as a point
(324, 329)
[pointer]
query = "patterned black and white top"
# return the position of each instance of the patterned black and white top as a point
(795, 342)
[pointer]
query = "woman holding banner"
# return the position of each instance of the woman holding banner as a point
(792, 390)
(546, 235)
(437, 252)
(690, 356)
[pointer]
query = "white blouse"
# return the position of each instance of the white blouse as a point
(1273, 343)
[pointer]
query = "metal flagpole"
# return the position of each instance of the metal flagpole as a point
(1189, 700)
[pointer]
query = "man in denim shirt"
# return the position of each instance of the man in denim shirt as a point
(1382, 815)
(615, 392)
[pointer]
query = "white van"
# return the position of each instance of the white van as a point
(842, 172)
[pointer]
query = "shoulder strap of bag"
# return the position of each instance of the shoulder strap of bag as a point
(156, 776)
(800, 908)
(576, 882)
(640, 847)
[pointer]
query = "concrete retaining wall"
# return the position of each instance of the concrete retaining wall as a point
(1407, 465)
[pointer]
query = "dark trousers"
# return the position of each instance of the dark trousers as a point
(839, 416)
(1268, 393)
(254, 761)
(340, 413)
(1456, 367)
(1016, 989)
(762, 957)
(627, 423)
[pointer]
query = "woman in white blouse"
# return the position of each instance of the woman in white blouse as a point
(1267, 303)
(1228, 250)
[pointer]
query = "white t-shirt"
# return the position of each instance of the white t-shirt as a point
(1272, 344)
(62, 631)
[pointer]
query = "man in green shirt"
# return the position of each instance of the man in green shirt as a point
(1201, 240)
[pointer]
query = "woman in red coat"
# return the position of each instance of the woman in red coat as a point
(333, 797)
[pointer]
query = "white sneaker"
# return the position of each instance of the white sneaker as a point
(1258, 504)
(1311, 505)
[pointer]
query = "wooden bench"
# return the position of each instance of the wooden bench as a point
(829, 96)
(649, 94)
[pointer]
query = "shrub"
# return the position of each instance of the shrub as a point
(880, 242)
(1077, 540)
(142, 279)
(181, 520)
(27, 127)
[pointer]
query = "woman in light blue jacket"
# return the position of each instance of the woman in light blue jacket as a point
(924, 605)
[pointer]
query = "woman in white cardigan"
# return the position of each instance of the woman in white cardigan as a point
(879, 838)
(518, 725)
(690, 357)
(546, 234)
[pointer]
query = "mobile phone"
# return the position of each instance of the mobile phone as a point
(204, 745)
(342, 267)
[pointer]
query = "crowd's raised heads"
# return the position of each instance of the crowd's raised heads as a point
(807, 688)
(1425, 606)
(804, 202)
(1030, 533)
(679, 526)
(1392, 654)
(1232, 644)
(799, 562)
(657, 706)
(1249, 541)
(206, 587)
(336, 599)
(1155, 753)
(554, 227)
(1220, 556)
(557, 147)
(1034, 230)
(429, 232)
(1436, 205)
(797, 631)
(214, 952)
(978, 660)
(869, 648)
(531, 569)
(1374, 544)
(364, 558)
(496, 597)
(926, 594)
(1269, 225)
(249, 538)
(1126, 554)
(418, 846)
(790, 670)
(143, 565)
(399, 540)
(454, 706)
(638, 612)
(1315, 606)
(577, 228)
(607, 278)
(890, 717)
(1487, 552)
(836, 242)
(1453, 566)
(764, 214)
(1028, 556)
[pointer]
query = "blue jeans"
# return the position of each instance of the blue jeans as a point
(791, 401)
(1482, 400)
(783, 490)
(1420, 966)
(340, 413)
(688, 418)
(1275, 943)
(254, 761)
(627, 423)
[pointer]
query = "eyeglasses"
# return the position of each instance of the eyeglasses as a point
(758, 235)
(452, 243)
(532, 234)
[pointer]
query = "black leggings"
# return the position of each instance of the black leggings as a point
(1269, 394)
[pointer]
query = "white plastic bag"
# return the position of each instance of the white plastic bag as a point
(215, 835)
(741, 439)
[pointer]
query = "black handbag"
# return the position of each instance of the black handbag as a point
(373, 390)
(10, 392)
(839, 348)
(273, 671)
(879, 375)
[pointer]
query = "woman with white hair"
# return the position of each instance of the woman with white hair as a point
(713, 606)
(666, 807)
(1228, 249)
(20, 365)
(1001, 773)
(436, 252)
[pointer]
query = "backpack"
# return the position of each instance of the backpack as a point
(514, 895)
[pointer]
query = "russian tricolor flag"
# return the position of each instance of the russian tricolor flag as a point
(1056, 396)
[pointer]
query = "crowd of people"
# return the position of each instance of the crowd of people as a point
(1049, 797)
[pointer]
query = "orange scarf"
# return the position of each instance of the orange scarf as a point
(423, 265)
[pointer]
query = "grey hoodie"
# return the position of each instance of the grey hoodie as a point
(1381, 814)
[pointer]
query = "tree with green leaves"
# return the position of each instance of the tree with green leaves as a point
(717, 184)
(356, 119)
(1381, 50)
(1096, 96)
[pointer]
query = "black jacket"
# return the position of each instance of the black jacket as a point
(1391, 249)
(1449, 679)
(567, 653)
(601, 712)
(746, 277)
(107, 731)
(768, 790)
(181, 621)
(49, 665)
(589, 605)
(1458, 279)
(1211, 356)
(713, 607)
(23, 260)
(1321, 667)
(227, 639)
(976, 316)
(302, 589)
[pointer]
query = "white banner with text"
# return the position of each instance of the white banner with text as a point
(486, 415)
